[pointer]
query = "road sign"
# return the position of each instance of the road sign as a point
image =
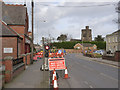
(56, 63)
(59, 51)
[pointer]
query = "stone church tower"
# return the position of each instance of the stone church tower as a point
(86, 34)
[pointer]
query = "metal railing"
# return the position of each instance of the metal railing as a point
(17, 61)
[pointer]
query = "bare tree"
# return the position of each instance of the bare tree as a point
(118, 11)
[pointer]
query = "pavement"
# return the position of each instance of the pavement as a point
(32, 77)
(88, 73)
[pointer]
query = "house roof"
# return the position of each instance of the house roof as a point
(116, 32)
(87, 45)
(6, 31)
(14, 14)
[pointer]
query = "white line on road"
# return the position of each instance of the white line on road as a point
(108, 76)
(88, 84)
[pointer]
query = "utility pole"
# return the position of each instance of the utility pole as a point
(43, 53)
(32, 31)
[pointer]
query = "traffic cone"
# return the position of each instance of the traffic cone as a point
(55, 86)
(66, 74)
(54, 74)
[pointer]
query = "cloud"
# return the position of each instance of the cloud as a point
(61, 1)
(73, 17)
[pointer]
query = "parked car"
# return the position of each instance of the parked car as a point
(101, 52)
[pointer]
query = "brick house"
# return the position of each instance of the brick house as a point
(16, 18)
(85, 47)
(11, 42)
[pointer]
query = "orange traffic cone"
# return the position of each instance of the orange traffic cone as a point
(55, 86)
(66, 74)
(54, 74)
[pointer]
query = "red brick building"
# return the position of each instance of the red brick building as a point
(16, 19)
(11, 42)
(85, 47)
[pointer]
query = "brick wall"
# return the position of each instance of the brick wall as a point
(73, 51)
(21, 30)
(9, 42)
(18, 28)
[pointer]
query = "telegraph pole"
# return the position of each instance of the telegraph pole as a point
(43, 53)
(32, 31)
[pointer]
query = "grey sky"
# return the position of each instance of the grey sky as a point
(71, 17)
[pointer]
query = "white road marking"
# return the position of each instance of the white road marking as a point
(91, 86)
(88, 84)
(108, 76)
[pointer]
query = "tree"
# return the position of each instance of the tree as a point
(62, 37)
(118, 11)
(99, 38)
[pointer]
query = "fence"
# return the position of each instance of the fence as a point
(10, 67)
(2, 75)
(18, 65)
(116, 57)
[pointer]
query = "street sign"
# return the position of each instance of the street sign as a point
(59, 51)
(8, 50)
(56, 63)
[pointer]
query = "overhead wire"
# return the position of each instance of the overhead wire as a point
(78, 6)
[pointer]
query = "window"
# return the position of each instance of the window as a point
(116, 48)
(116, 39)
(94, 47)
(113, 38)
(109, 40)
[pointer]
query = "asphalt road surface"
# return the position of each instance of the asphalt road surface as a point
(87, 74)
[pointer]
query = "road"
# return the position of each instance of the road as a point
(88, 74)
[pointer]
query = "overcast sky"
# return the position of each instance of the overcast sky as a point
(70, 17)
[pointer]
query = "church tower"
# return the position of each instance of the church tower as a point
(86, 34)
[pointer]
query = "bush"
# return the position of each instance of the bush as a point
(94, 55)
(70, 45)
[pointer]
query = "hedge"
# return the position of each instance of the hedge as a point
(70, 45)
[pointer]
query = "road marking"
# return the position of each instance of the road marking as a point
(108, 76)
(91, 86)
(88, 84)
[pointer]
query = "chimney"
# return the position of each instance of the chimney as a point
(87, 27)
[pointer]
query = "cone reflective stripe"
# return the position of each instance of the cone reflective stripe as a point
(54, 74)
(55, 86)
(66, 74)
